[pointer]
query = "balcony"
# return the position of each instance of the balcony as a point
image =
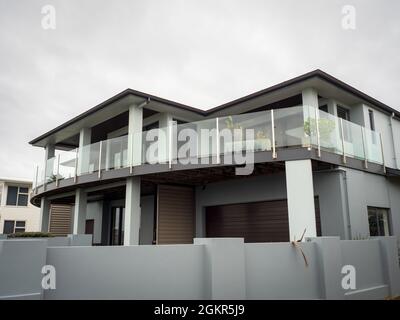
(270, 131)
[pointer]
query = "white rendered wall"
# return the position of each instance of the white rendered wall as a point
(300, 195)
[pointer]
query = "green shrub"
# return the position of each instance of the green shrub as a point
(31, 235)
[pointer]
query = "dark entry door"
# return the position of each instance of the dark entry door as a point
(117, 226)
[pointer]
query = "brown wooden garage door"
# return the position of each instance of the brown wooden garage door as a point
(265, 221)
(175, 219)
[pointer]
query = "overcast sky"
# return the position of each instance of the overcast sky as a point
(201, 53)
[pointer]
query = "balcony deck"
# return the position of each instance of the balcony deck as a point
(298, 133)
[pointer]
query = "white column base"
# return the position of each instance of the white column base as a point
(80, 212)
(44, 215)
(132, 212)
(300, 195)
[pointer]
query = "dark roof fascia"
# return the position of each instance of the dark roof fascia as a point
(113, 99)
(313, 74)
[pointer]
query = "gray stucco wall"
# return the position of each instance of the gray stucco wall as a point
(303, 282)
(94, 211)
(366, 189)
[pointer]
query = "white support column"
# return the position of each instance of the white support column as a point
(300, 195)
(85, 138)
(135, 135)
(132, 211)
(50, 151)
(310, 97)
(44, 214)
(79, 219)
(164, 123)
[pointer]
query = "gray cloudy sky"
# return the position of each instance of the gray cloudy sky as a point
(201, 53)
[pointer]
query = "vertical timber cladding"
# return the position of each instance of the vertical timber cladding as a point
(176, 214)
(60, 219)
(265, 221)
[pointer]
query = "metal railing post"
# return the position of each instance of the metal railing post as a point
(364, 145)
(170, 144)
(132, 138)
(100, 150)
(45, 175)
(318, 135)
(274, 156)
(36, 179)
(383, 154)
(76, 165)
(58, 170)
(218, 141)
(343, 144)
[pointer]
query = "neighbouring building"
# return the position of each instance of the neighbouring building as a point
(326, 161)
(17, 214)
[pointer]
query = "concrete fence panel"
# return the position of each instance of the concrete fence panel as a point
(131, 272)
(278, 271)
(21, 263)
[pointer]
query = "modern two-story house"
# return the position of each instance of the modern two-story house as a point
(17, 214)
(310, 155)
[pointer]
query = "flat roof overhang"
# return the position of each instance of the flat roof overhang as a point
(326, 85)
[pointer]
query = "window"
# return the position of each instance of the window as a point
(345, 115)
(371, 120)
(19, 226)
(17, 196)
(378, 219)
(11, 226)
(324, 108)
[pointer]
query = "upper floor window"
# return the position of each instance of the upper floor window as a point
(378, 219)
(324, 108)
(343, 113)
(17, 196)
(371, 119)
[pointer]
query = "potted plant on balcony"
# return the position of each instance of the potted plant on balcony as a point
(237, 135)
(326, 127)
(262, 142)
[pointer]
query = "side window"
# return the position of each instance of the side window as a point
(17, 196)
(345, 115)
(378, 219)
(23, 196)
(19, 226)
(11, 226)
(371, 119)
(12, 194)
(324, 108)
(8, 227)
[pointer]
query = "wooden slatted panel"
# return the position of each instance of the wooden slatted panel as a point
(255, 222)
(175, 220)
(60, 219)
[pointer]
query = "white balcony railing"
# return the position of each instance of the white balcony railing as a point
(272, 130)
